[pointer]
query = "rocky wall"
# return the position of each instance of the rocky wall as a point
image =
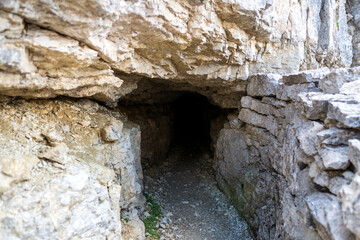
(101, 49)
(291, 148)
(156, 124)
(67, 170)
(353, 9)
(291, 166)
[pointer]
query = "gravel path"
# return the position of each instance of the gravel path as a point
(192, 205)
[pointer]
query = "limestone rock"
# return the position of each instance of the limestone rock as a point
(335, 136)
(268, 122)
(326, 212)
(15, 167)
(314, 105)
(290, 92)
(351, 87)
(337, 183)
(58, 153)
(335, 158)
(346, 111)
(305, 76)
(41, 208)
(339, 80)
(308, 140)
(80, 160)
(234, 121)
(80, 184)
(112, 132)
(213, 43)
(349, 196)
(263, 85)
(354, 152)
(262, 108)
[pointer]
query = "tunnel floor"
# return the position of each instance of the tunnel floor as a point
(182, 180)
(192, 206)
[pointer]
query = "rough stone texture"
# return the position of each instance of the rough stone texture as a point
(235, 164)
(156, 130)
(354, 152)
(353, 9)
(327, 215)
(88, 49)
(300, 140)
(239, 54)
(60, 178)
(349, 196)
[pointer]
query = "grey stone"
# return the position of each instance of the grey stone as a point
(335, 136)
(275, 102)
(112, 132)
(308, 140)
(354, 152)
(315, 105)
(335, 158)
(263, 85)
(292, 92)
(326, 212)
(346, 111)
(78, 186)
(338, 80)
(351, 87)
(350, 195)
(336, 184)
(234, 121)
(268, 122)
(305, 77)
(262, 108)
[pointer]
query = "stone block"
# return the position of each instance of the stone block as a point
(346, 111)
(112, 132)
(263, 85)
(292, 92)
(354, 152)
(305, 77)
(262, 108)
(325, 209)
(350, 204)
(336, 136)
(335, 158)
(315, 105)
(268, 122)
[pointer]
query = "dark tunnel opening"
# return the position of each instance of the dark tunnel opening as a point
(175, 119)
(192, 120)
(179, 130)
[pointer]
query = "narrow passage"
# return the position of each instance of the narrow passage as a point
(193, 208)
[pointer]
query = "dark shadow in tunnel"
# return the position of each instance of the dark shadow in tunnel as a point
(192, 118)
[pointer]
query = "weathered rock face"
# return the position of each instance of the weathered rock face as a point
(67, 169)
(51, 48)
(288, 159)
(156, 124)
(293, 159)
(353, 7)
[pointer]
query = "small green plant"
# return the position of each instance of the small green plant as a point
(151, 221)
(126, 218)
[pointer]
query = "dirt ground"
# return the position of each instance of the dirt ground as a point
(192, 206)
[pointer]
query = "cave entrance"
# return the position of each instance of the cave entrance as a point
(178, 132)
(174, 120)
(192, 116)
